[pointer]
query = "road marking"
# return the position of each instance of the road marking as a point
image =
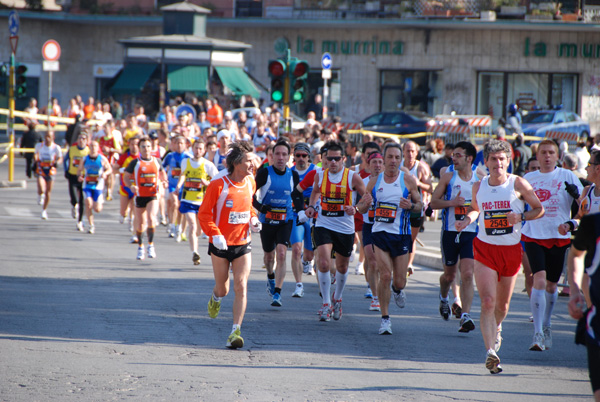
(22, 212)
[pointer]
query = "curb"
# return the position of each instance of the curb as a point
(13, 184)
(429, 260)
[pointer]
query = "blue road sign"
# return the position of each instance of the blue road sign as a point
(13, 23)
(326, 61)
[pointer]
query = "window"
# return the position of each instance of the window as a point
(410, 90)
(497, 90)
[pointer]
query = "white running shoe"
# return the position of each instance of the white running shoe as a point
(204, 236)
(130, 221)
(375, 306)
(386, 327)
(74, 211)
(400, 298)
(171, 230)
(134, 239)
(307, 267)
(121, 219)
(538, 342)
(547, 337)
(498, 342)
(151, 251)
(299, 291)
(492, 362)
(41, 199)
(360, 269)
(140, 254)
(352, 255)
(44, 215)
(163, 220)
(80, 226)
(92, 229)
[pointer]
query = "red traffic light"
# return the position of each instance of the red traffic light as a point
(300, 68)
(21, 69)
(276, 68)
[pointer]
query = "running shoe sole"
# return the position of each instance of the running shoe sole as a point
(467, 326)
(492, 363)
(456, 310)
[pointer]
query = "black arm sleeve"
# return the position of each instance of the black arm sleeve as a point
(130, 168)
(297, 197)
(261, 179)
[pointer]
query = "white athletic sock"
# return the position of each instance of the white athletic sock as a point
(444, 298)
(340, 284)
(325, 286)
(215, 298)
(550, 302)
(538, 306)
(235, 326)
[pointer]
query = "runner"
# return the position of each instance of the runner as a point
(421, 172)
(496, 249)
(226, 215)
(302, 259)
(94, 170)
(172, 165)
(75, 155)
(583, 257)
(395, 195)
(546, 248)
(48, 156)
(334, 228)
(196, 174)
(145, 175)
(273, 199)
(125, 194)
(453, 195)
(375, 164)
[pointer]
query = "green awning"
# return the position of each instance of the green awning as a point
(183, 78)
(133, 77)
(237, 81)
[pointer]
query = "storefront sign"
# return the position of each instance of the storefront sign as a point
(347, 47)
(565, 49)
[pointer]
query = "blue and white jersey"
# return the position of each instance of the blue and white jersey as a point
(219, 161)
(389, 217)
(458, 187)
(277, 193)
(93, 173)
(172, 165)
(306, 193)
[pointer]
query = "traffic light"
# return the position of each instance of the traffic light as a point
(277, 72)
(298, 74)
(3, 79)
(20, 81)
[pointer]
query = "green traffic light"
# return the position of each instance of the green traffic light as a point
(297, 96)
(277, 96)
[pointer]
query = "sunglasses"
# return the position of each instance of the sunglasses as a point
(301, 155)
(593, 164)
(334, 158)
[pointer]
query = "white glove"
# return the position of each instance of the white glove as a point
(255, 225)
(302, 218)
(219, 242)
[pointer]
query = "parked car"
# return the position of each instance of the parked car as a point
(398, 123)
(538, 122)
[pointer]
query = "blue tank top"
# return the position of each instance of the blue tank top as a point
(277, 193)
(93, 173)
(172, 165)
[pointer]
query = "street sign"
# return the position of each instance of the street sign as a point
(326, 74)
(48, 65)
(326, 61)
(51, 50)
(13, 23)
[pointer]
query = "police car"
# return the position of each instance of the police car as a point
(538, 122)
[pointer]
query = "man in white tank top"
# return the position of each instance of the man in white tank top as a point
(453, 194)
(395, 195)
(500, 197)
(421, 172)
(546, 248)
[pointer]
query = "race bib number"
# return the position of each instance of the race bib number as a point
(496, 222)
(332, 207)
(385, 212)
(76, 161)
(192, 184)
(175, 172)
(91, 179)
(276, 215)
(461, 212)
(239, 218)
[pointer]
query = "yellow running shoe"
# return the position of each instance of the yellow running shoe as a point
(213, 307)
(235, 340)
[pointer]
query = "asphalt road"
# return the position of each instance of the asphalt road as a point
(81, 319)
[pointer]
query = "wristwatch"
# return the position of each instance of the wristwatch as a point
(523, 217)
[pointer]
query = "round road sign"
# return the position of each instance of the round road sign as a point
(51, 50)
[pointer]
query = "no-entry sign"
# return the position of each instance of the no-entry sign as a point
(51, 50)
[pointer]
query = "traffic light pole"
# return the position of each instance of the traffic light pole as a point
(286, 94)
(11, 118)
